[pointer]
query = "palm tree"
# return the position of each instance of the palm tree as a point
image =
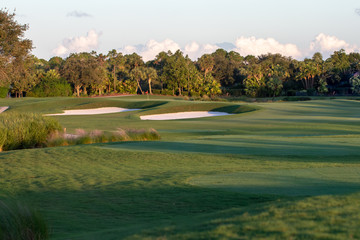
(150, 74)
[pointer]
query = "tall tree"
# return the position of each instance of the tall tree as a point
(338, 67)
(150, 74)
(137, 74)
(159, 62)
(275, 77)
(206, 63)
(56, 63)
(308, 70)
(175, 72)
(227, 67)
(84, 70)
(15, 58)
(116, 63)
(255, 80)
(133, 61)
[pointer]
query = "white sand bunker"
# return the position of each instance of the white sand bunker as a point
(3, 109)
(183, 115)
(93, 111)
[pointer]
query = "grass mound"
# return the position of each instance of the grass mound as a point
(123, 104)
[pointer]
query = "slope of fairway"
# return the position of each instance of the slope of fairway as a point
(333, 145)
(292, 182)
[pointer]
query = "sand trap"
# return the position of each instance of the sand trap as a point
(183, 115)
(93, 111)
(3, 109)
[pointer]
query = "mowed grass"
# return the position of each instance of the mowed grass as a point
(282, 171)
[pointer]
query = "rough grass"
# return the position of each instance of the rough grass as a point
(96, 136)
(25, 130)
(20, 222)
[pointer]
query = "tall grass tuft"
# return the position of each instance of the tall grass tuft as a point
(28, 130)
(19, 222)
(25, 130)
(97, 136)
(143, 134)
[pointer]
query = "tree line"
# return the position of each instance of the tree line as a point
(219, 73)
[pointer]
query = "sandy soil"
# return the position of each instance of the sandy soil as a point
(93, 111)
(183, 115)
(3, 109)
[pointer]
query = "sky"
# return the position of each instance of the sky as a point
(290, 27)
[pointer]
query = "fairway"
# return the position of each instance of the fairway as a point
(273, 170)
(293, 182)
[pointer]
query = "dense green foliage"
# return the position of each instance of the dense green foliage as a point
(192, 183)
(51, 85)
(19, 222)
(4, 92)
(219, 73)
(16, 63)
(25, 130)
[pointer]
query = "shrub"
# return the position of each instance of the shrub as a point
(291, 93)
(52, 85)
(235, 92)
(355, 83)
(311, 92)
(302, 93)
(4, 92)
(25, 130)
(142, 134)
(18, 221)
(156, 91)
(205, 98)
(167, 92)
(292, 99)
(194, 94)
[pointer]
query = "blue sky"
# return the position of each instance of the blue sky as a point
(292, 28)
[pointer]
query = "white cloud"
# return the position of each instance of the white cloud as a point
(151, 48)
(328, 44)
(253, 46)
(78, 14)
(243, 45)
(78, 44)
(194, 50)
(192, 47)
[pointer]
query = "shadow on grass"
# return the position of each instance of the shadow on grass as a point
(124, 104)
(241, 146)
(236, 109)
(290, 182)
(127, 210)
(146, 104)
